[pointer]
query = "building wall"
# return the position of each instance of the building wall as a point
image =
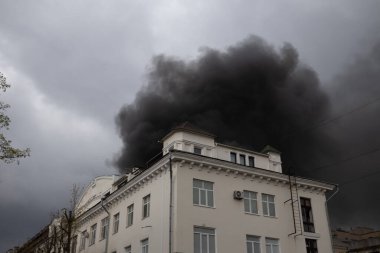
(155, 227)
(229, 220)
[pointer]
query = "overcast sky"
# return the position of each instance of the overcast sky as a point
(73, 65)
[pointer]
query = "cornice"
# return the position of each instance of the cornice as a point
(134, 185)
(208, 164)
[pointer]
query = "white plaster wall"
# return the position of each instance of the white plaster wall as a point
(94, 191)
(155, 227)
(229, 220)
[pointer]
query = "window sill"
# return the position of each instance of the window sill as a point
(255, 214)
(211, 207)
(273, 217)
(129, 226)
(311, 235)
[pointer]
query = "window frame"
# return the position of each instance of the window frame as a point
(105, 223)
(251, 201)
(242, 159)
(198, 230)
(310, 243)
(233, 157)
(208, 193)
(272, 242)
(253, 242)
(266, 204)
(82, 243)
(130, 210)
(145, 245)
(116, 222)
(308, 224)
(146, 206)
(251, 161)
(92, 234)
(196, 149)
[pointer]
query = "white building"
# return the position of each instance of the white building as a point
(205, 197)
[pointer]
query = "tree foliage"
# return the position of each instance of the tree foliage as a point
(8, 154)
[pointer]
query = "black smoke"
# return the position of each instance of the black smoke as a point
(355, 94)
(252, 95)
(249, 95)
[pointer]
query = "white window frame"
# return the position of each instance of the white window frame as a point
(251, 200)
(202, 189)
(104, 228)
(233, 157)
(146, 207)
(267, 203)
(92, 235)
(82, 244)
(253, 240)
(242, 159)
(116, 219)
(207, 233)
(130, 215)
(272, 243)
(145, 245)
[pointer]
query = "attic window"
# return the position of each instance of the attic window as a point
(197, 150)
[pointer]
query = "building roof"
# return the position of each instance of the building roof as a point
(190, 128)
(269, 148)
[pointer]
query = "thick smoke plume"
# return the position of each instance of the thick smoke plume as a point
(249, 95)
(355, 95)
(252, 95)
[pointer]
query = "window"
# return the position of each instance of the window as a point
(82, 240)
(128, 249)
(250, 202)
(145, 246)
(197, 150)
(116, 223)
(129, 215)
(272, 245)
(203, 193)
(233, 157)
(104, 231)
(74, 244)
(146, 206)
(242, 159)
(307, 215)
(251, 161)
(92, 234)
(204, 240)
(253, 244)
(268, 205)
(311, 246)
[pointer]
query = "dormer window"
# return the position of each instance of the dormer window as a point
(233, 157)
(242, 159)
(197, 150)
(251, 161)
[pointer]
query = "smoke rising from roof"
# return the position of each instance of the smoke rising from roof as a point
(252, 95)
(249, 95)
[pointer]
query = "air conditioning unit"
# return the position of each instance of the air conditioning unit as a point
(238, 195)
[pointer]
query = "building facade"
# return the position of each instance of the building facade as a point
(204, 197)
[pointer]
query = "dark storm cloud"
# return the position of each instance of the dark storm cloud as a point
(250, 94)
(78, 54)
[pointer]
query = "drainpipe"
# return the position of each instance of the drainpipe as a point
(171, 202)
(109, 220)
(327, 214)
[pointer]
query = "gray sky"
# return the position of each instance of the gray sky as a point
(73, 64)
